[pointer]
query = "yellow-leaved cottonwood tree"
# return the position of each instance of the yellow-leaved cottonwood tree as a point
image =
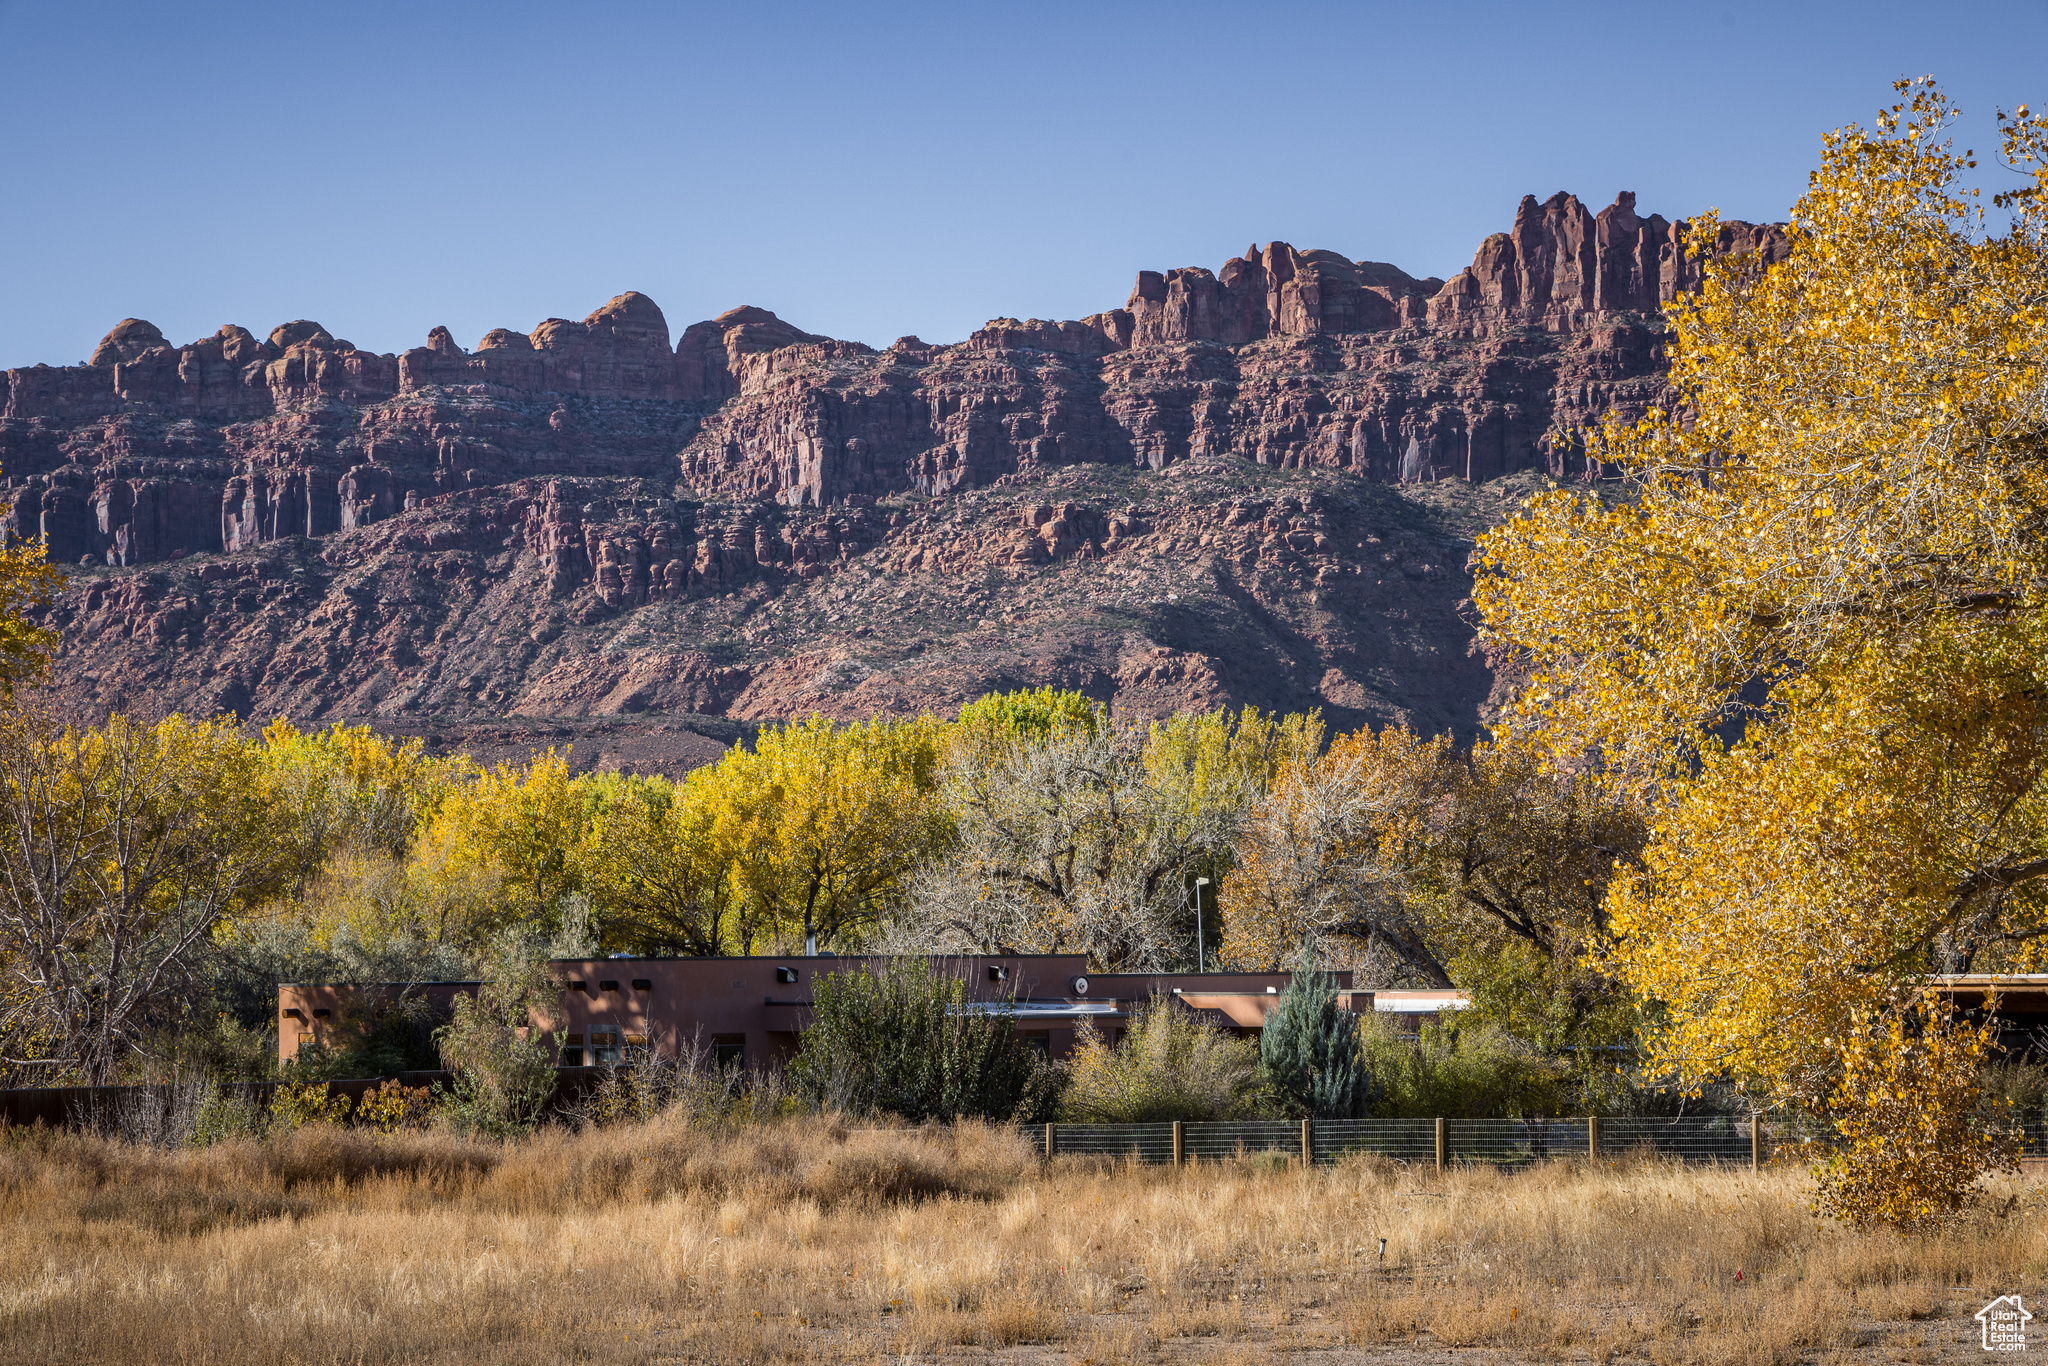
(1812, 631)
(122, 848)
(657, 863)
(830, 821)
(511, 830)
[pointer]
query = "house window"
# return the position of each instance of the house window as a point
(604, 1049)
(572, 1050)
(306, 1039)
(729, 1050)
(636, 1048)
(1041, 1042)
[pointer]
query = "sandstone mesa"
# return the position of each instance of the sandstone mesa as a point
(1257, 484)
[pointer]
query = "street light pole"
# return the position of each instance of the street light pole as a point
(1200, 947)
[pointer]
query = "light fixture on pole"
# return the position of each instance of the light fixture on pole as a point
(1200, 962)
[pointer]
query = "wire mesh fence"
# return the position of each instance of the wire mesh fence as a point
(1499, 1143)
(1220, 1140)
(2033, 1135)
(1714, 1138)
(1404, 1140)
(1513, 1142)
(1144, 1142)
(140, 1111)
(1809, 1137)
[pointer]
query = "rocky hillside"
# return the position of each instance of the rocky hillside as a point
(1257, 485)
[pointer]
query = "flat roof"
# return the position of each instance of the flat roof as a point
(468, 982)
(804, 957)
(1990, 979)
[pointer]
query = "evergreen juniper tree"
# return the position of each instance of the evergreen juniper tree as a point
(1311, 1051)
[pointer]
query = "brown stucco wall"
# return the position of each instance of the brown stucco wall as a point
(668, 1004)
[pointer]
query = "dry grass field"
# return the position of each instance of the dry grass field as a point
(806, 1242)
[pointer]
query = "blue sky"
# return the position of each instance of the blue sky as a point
(871, 170)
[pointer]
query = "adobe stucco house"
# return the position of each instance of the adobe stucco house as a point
(751, 1009)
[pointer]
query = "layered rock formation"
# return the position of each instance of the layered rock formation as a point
(1282, 357)
(377, 534)
(550, 604)
(152, 451)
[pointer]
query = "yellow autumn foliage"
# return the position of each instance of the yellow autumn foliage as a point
(513, 825)
(1809, 627)
(27, 581)
(829, 821)
(657, 862)
(1906, 1107)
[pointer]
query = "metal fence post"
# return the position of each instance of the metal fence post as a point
(1308, 1143)
(1443, 1144)
(1050, 1142)
(1179, 1143)
(1756, 1140)
(1593, 1137)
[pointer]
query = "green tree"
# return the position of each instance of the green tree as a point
(1510, 870)
(998, 722)
(1311, 1051)
(1460, 1068)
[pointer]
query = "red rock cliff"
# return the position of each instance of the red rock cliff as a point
(584, 519)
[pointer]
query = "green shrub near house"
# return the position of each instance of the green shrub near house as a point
(906, 1040)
